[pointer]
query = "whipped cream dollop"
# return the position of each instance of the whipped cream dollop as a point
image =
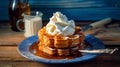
(59, 24)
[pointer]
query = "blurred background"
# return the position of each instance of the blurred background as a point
(83, 10)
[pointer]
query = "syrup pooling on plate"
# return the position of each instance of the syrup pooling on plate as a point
(35, 50)
(27, 50)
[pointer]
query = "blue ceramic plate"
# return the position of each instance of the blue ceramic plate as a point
(24, 46)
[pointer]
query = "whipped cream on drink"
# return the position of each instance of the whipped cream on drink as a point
(59, 24)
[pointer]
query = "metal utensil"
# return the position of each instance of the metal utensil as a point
(97, 24)
(109, 51)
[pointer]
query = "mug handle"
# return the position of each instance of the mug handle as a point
(17, 24)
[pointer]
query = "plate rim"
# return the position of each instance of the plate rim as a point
(30, 40)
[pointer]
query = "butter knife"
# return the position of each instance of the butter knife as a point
(108, 51)
(97, 24)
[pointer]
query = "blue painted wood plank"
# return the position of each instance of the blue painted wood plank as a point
(4, 9)
(74, 9)
(3, 14)
(84, 13)
(74, 3)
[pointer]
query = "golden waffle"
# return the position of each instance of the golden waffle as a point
(55, 51)
(48, 40)
(60, 44)
(47, 49)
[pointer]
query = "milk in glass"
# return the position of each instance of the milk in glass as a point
(32, 25)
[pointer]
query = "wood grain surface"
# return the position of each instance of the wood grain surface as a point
(9, 56)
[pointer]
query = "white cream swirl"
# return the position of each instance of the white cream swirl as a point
(59, 24)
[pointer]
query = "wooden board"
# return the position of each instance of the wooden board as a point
(9, 56)
(109, 35)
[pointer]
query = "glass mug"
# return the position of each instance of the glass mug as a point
(32, 23)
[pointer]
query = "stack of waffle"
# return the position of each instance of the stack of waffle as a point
(60, 44)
